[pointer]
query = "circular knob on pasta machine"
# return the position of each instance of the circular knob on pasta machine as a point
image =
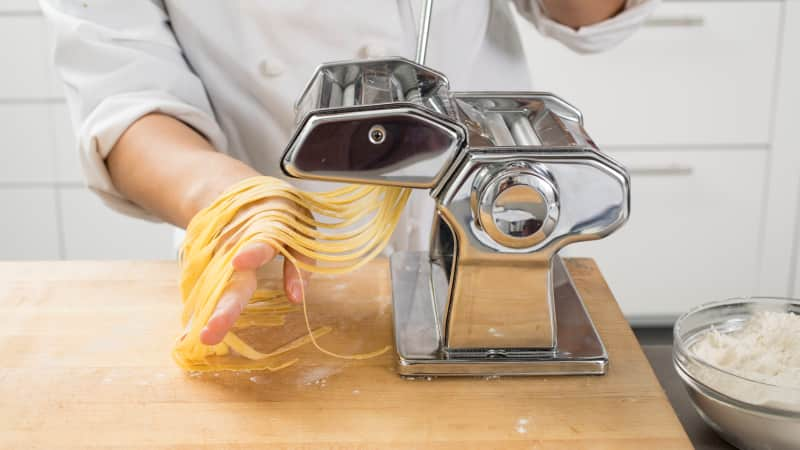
(517, 205)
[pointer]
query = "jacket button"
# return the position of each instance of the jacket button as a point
(271, 68)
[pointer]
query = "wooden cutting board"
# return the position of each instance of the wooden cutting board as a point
(86, 364)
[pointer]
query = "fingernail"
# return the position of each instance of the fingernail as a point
(295, 290)
(223, 303)
(217, 310)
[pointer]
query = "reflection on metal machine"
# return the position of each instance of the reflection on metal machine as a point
(515, 177)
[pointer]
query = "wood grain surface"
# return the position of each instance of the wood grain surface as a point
(86, 364)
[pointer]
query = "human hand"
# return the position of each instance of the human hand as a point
(246, 264)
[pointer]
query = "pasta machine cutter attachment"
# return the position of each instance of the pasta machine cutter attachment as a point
(515, 178)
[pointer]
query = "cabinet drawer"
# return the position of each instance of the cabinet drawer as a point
(23, 50)
(693, 233)
(93, 231)
(695, 73)
(29, 227)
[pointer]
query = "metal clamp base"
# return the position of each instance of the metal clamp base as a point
(419, 288)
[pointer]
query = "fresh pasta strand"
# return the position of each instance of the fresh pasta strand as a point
(355, 224)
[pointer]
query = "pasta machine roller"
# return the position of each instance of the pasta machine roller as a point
(515, 178)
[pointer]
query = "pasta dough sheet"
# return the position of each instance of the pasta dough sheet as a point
(346, 228)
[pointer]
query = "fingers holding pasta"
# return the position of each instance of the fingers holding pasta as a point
(252, 256)
(240, 289)
(244, 229)
(231, 304)
(249, 222)
(295, 281)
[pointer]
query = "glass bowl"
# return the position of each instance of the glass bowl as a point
(749, 414)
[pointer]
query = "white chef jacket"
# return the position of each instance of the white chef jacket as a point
(232, 69)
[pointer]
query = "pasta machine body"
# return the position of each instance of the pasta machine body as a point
(515, 178)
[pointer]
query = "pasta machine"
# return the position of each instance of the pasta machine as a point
(515, 178)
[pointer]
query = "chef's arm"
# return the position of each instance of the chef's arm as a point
(146, 131)
(586, 26)
(170, 170)
(117, 67)
(581, 13)
(165, 167)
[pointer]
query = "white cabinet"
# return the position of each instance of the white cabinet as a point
(691, 103)
(67, 159)
(38, 144)
(26, 132)
(795, 282)
(93, 231)
(781, 239)
(697, 73)
(19, 6)
(29, 226)
(23, 50)
(693, 233)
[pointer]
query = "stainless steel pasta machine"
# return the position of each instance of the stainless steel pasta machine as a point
(515, 178)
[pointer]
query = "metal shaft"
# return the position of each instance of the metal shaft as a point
(422, 33)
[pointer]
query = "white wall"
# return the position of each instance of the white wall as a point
(47, 211)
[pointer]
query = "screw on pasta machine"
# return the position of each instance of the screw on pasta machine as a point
(377, 134)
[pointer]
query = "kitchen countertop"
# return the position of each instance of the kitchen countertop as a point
(86, 364)
(657, 345)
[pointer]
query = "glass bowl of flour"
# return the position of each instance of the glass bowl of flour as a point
(740, 362)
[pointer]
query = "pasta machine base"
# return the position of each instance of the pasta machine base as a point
(419, 289)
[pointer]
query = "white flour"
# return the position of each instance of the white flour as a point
(766, 349)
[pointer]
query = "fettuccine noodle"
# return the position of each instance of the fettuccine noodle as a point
(355, 224)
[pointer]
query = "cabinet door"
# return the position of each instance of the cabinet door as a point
(29, 225)
(695, 73)
(693, 233)
(67, 160)
(23, 51)
(26, 131)
(795, 281)
(93, 231)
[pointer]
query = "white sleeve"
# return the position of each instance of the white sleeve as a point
(119, 61)
(593, 38)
